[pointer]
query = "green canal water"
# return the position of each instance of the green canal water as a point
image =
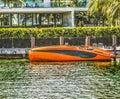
(20, 79)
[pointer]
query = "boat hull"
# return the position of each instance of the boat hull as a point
(68, 53)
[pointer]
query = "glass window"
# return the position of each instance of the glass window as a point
(58, 3)
(59, 19)
(4, 4)
(33, 3)
(1, 4)
(28, 3)
(36, 19)
(38, 3)
(6, 20)
(54, 3)
(63, 3)
(81, 54)
(1, 19)
(84, 19)
(22, 19)
(14, 19)
(29, 20)
(17, 4)
(51, 19)
(81, 3)
(44, 19)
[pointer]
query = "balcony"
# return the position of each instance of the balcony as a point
(41, 10)
(81, 3)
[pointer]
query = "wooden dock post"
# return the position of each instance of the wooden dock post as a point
(32, 42)
(61, 40)
(114, 44)
(87, 41)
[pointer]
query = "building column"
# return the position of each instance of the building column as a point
(47, 3)
(72, 18)
(68, 19)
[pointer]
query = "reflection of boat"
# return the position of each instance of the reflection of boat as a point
(53, 63)
(102, 64)
(69, 53)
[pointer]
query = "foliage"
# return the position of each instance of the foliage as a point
(11, 72)
(58, 31)
(109, 9)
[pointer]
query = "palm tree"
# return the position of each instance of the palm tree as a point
(109, 9)
(95, 10)
(113, 12)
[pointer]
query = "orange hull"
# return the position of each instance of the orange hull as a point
(69, 53)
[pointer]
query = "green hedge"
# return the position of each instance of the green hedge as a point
(58, 31)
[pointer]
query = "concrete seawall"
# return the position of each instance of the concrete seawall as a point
(14, 50)
(9, 53)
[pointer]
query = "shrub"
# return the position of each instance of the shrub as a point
(58, 31)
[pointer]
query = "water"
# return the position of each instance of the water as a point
(81, 80)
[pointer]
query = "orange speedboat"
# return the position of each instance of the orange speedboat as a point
(69, 53)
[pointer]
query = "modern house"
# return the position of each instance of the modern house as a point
(42, 13)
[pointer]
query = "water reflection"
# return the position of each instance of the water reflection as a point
(95, 63)
(74, 80)
(52, 63)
